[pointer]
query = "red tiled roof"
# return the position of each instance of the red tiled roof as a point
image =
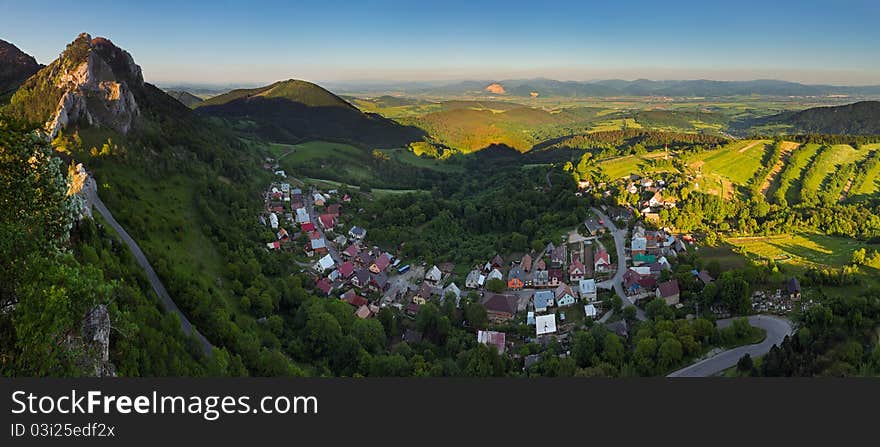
(324, 286)
(669, 288)
(346, 269)
(326, 220)
(382, 262)
(308, 226)
(356, 300)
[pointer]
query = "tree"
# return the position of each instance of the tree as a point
(669, 354)
(612, 349)
(745, 365)
(657, 309)
(496, 285)
(858, 256)
(583, 348)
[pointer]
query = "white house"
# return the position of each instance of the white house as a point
(495, 274)
(590, 311)
(587, 289)
(473, 279)
(273, 221)
(542, 300)
(324, 263)
(564, 296)
(545, 324)
(434, 275)
(302, 216)
(357, 233)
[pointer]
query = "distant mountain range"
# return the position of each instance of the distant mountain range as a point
(616, 87)
(294, 111)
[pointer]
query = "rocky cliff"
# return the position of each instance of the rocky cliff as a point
(92, 82)
(15, 67)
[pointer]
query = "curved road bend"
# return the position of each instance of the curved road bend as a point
(617, 282)
(158, 287)
(777, 328)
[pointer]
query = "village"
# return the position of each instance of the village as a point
(555, 291)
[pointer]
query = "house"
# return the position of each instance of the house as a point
(273, 245)
(542, 278)
(307, 227)
(340, 240)
(793, 287)
(642, 258)
(638, 245)
(473, 279)
(705, 277)
(602, 261)
(361, 278)
(318, 246)
(526, 263)
(516, 278)
(545, 324)
(282, 235)
(455, 291)
(555, 277)
(540, 265)
(587, 289)
(495, 274)
(669, 292)
(357, 233)
(364, 259)
(363, 312)
(446, 267)
(590, 311)
(576, 270)
(543, 299)
(594, 228)
(273, 220)
(381, 263)
(346, 269)
(302, 216)
(433, 275)
(564, 296)
(500, 308)
(412, 309)
(492, 338)
(654, 200)
(327, 221)
(530, 318)
(354, 299)
(379, 283)
(557, 257)
(619, 328)
(324, 264)
(350, 252)
(497, 261)
(334, 210)
(319, 199)
(324, 286)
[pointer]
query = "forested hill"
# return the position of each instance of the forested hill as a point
(861, 118)
(293, 111)
(15, 67)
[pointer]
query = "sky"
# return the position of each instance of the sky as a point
(256, 42)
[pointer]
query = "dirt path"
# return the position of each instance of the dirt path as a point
(787, 148)
(750, 145)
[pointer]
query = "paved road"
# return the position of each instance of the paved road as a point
(777, 328)
(619, 235)
(158, 287)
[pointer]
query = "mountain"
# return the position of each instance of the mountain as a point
(294, 110)
(15, 67)
(860, 118)
(93, 82)
(185, 97)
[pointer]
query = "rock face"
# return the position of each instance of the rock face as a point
(98, 90)
(96, 338)
(15, 67)
(496, 88)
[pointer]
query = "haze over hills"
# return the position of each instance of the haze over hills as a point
(294, 111)
(15, 67)
(186, 98)
(617, 87)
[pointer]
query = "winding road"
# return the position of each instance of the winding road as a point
(616, 282)
(168, 304)
(777, 328)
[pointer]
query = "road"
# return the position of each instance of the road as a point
(167, 303)
(310, 207)
(619, 235)
(777, 328)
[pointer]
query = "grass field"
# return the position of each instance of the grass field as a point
(631, 164)
(797, 162)
(616, 124)
(872, 183)
(799, 251)
(736, 162)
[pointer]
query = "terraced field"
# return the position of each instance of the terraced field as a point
(787, 185)
(828, 161)
(868, 183)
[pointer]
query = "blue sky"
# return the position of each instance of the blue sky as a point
(259, 41)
